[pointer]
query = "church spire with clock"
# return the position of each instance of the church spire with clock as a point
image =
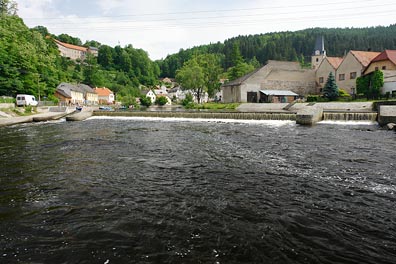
(319, 53)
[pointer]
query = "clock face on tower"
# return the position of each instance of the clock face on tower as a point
(317, 52)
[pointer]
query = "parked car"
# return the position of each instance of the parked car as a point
(25, 100)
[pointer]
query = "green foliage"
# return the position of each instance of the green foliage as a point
(192, 77)
(128, 100)
(161, 100)
(30, 63)
(188, 100)
(330, 90)
(289, 46)
(343, 93)
(7, 100)
(370, 85)
(8, 8)
(239, 70)
(218, 106)
(316, 98)
(145, 101)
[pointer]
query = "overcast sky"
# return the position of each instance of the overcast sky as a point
(165, 27)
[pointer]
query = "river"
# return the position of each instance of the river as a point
(131, 190)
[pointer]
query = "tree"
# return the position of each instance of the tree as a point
(8, 8)
(370, 84)
(330, 91)
(161, 100)
(191, 77)
(239, 70)
(145, 101)
(210, 64)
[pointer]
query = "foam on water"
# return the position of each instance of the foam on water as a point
(275, 123)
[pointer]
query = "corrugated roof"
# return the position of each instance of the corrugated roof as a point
(278, 92)
(364, 57)
(386, 55)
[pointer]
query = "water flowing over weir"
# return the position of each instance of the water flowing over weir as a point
(155, 190)
(208, 115)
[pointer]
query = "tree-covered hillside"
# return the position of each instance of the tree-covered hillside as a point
(294, 46)
(31, 63)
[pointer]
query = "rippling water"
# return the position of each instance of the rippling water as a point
(151, 191)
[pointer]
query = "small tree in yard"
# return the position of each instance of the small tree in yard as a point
(145, 101)
(161, 100)
(330, 90)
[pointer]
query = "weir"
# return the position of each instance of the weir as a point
(350, 116)
(209, 115)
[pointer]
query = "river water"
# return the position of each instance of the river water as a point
(171, 191)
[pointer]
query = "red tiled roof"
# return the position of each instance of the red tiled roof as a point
(334, 61)
(386, 55)
(364, 57)
(70, 46)
(103, 91)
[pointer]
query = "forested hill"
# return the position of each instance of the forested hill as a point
(294, 46)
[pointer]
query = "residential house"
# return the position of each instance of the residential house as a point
(150, 94)
(105, 95)
(327, 66)
(74, 52)
(389, 83)
(76, 94)
(161, 90)
(276, 75)
(352, 67)
(386, 60)
(178, 94)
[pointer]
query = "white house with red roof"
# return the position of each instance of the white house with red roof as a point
(105, 95)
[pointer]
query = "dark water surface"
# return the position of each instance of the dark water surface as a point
(144, 191)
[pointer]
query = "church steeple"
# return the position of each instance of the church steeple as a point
(319, 53)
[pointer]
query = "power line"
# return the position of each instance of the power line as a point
(317, 6)
(234, 22)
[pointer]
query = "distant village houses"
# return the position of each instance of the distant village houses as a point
(76, 94)
(105, 95)
(75, 52)
(284, 81)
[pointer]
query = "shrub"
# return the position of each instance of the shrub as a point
(188, 100)
(145, 101)
(161, 100)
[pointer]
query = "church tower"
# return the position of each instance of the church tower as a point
(319, 53)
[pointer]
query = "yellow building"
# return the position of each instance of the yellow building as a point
(352, 67)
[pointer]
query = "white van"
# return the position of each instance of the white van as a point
(25, 99)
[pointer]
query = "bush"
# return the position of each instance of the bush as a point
(188, 100)
(145, 101)
(161, 100)
(316, 98)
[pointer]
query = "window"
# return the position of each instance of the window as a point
(317, 59)
(376, 68)
(321, 80)
(341, 77)
(384, 67)
(353, 75)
